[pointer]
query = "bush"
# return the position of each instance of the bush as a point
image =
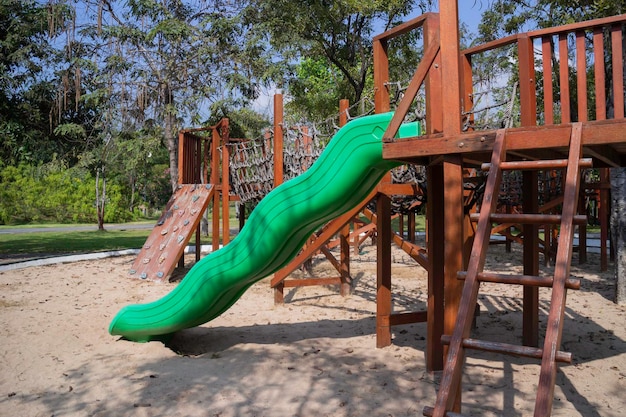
(36, 195)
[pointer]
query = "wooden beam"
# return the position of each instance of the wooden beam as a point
(530, 323)
(383, 272)
(607, 132)
(381, 76)
(451, 68)
(278, 140)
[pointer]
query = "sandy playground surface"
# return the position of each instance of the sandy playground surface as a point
(313, 356)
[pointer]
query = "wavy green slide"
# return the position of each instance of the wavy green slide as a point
(344, 174)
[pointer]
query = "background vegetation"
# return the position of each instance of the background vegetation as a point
(93, 92)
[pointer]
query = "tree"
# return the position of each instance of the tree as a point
(166, 62)
(28, 59)
(328, 41)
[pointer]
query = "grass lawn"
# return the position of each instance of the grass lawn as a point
(72, 242)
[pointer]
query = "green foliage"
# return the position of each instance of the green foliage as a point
(43, 194)
(317, 87)
(335, 37)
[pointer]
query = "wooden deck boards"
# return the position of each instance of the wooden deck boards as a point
(604, 141)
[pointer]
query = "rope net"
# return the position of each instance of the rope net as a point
(252, 162)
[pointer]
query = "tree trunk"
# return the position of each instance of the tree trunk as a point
(170, 136)
(100, 197)
(618, 230)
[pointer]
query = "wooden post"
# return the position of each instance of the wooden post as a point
(451, 68)
(381, 76)
(383, 208)
(279, 296)
(530, 324)
(278, 140)
(528, 103)
(548, 95)
(434, 208)
(453, 245)
(452, 167)
(181, 157)
(383, 271)
(215, 179)
(225, 136)
(435, 242)
(344, 234)
(528, 97)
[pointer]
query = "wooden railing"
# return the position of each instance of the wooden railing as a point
(570, 54)
(585, 61)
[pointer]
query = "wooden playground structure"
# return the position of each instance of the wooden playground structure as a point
(569, 137)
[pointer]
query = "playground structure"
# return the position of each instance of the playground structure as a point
(457, 239)
(554, 140)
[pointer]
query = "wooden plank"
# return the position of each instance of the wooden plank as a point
(309, 282)
(530, 259)
(581, 76)
(618, 70)
(531, 280)
(530, 218)
(409, 95)
(509, 349)
(398, 319)
(383, 271)
(381, 76)
(435, 241)
(572, 27)
(225, 134)
(454, 226)
(598, 73)
(528, 98)
(167, 241)
(215, 180)
(406, 27)
(278, 140)
(548, 92)
(607, 132)
(538, 165)
(450, 63)
(564, 79)
(434, 106)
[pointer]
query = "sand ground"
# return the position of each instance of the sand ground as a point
(313, 356)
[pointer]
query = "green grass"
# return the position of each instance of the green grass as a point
(88, 241)
(72, 242)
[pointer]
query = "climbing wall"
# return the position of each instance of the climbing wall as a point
(166, 244)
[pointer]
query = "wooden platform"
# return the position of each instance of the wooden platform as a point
(166, 244)
(604, 141)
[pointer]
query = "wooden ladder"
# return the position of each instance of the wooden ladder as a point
(450, 383)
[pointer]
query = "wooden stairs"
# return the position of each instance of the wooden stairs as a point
(448, 397)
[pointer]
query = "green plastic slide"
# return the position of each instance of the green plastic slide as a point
(344, 174)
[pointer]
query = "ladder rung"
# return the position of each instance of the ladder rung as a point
(538, 165)
(529, 218)
(570, 283)
(429, 411)
(516, 350)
